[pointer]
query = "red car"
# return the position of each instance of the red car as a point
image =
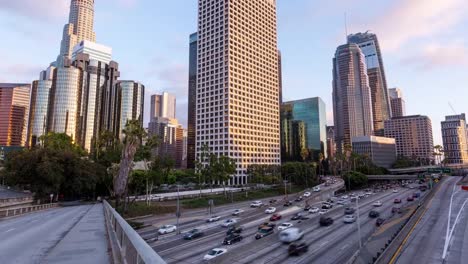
(410, 199)
(275, 217)
(397, 201)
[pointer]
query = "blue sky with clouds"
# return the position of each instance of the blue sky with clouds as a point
(424, 44)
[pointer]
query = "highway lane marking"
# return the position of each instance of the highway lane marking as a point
(9, 230)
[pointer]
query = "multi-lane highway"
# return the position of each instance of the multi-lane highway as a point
(333, 244)
(426, 243)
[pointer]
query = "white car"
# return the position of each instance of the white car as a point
(344, 197)
(284, 226)
(237, 212)
(323, 211)
(166, 229)
(256, 204)
(229, 222)
(316, 189)
(314, 210)
(270, 210)
(377, 204)
(215, 252)
(213, 219)
(395, 190)
(349, 219)
(307, 194)
(291, 235)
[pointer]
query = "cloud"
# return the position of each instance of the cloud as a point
(408, 20)
(37, 9)
(435, 55)
(173, 79)
(20, 72)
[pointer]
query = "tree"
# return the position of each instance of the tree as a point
(355, 180)
(224, 168)
(305, 154)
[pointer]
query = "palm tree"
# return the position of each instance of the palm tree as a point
(304, 154)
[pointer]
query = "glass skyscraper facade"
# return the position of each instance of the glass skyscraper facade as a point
(130, 104)
(303, 125)
(192, 101)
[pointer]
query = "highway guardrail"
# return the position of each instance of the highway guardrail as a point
(127, 245)
(24, 210)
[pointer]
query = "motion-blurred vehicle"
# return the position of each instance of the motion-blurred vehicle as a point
(194, 233)
(290, 235)
(374, 214)
(213, 219)
(266, 224)
(166, 229)
(288, 203)
(237, 212)
(234, 229)
(256, 204)
(270, 210)
(325, 221)
(297, 249)
(215, 252)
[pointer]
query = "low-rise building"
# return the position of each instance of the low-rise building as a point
(381, 150)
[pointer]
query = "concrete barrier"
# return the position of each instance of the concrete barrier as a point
(24, 210)
(127, 246)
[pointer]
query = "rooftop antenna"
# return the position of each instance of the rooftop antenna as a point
(346, 26)
(453, 109)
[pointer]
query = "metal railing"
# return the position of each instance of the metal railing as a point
(26, 209)
(132, 249)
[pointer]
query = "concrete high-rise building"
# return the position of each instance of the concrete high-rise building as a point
(303, 121)
(397, 102)
(237, 82)
(413, 136)
(192, 101)
(454, 136)
(381, 150)
(129, 105)
(163, 105)
(80, 27)
(352, 105)
(369, 45)
(280, 77)
(39, 106)
(14, 113)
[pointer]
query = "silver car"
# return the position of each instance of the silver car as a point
(348, 219)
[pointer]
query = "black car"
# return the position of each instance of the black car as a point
(297, 249)
(379, 221)
(297, 216)
(326, 221)
(298, 199)
(231, 239)
(263, 232)
(374, 214)
(194, 233)
(288, 203)
(349, 210)
(234, 230)
(272, 201)
(307, 207)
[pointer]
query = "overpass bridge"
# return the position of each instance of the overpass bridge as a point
(393, 177)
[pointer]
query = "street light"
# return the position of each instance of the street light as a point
(178, 210)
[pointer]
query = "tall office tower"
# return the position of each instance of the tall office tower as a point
(237, 82)
(413, 135)
(80, 27)
(280, 78)
(369, 45)
(39, 106)
(163, 105)
(331, 146)
(129, 105)
(192, 101)
(454, 136)
(14, 113)
(397, 102)
(311, 113)
(352, 105)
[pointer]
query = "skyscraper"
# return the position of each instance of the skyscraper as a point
(369, 45)
(14, 113)
(39, 106)
(192, 101)
(163, 105)
(237, 82)
(129, 105)
(80, 27)
(352, 105)
(454, 136)
(331, 146)
(397, 102)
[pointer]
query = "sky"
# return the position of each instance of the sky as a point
(424, 45)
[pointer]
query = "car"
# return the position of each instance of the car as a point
(237, 212)
(215, 252)
(229, 222)
(297, 249)
(307, 194)
(422, 188)
(213, 219)
(194, 233)
(284, 226)
(416, 195)
(379, 221)
(323, 211)
(270, 210)
(374, 214)
(272, 201)
(298, 199)
(395, 210)
(361, 195)
(256, 204)
(410, 199)
(348, 219)
(166, 229)
(349, 210)
(411, 187)
(377, 204)
(288, 203)
(265, 231)
(369, 193)
(231, 239)
(314, 210)
(307, 207)
(395, 190)
(397, 201)
(234, 230)
(296, 216)
(325, 221)
(327, 206)
(344, 197)
(316, 189)
(290, 235)
(275, 217)
(266, 224)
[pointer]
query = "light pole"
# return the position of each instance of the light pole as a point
(178, 210)
(358, 222)
(285, 190)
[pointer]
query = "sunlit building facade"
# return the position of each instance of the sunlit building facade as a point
(129, 105)
(454, 136)
(397, 102)
(163, 105)
(380, 150)
(14, 113)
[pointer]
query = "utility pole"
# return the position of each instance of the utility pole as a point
(178, 209)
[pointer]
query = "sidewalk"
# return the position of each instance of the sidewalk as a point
(86, 242)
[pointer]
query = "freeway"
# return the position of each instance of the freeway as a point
(60, 235)
(427, 241)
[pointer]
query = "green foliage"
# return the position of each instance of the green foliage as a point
(300, 173)
(264, 174)
(405, 162)
(356, 179)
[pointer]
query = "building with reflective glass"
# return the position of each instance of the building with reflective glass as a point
(14, 113)
(397, 102)
(381, 150)
(192, 101)
(163, 105)
(303, 126)
(129, 105)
